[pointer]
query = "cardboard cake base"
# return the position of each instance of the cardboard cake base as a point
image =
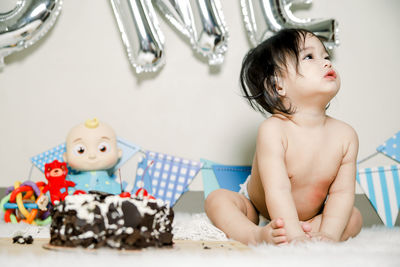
(41, 245)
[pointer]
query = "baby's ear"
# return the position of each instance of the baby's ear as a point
(280, 89)
(119, 153)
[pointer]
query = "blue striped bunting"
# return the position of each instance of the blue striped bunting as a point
(382, 187)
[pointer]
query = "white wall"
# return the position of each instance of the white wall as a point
(80, 70)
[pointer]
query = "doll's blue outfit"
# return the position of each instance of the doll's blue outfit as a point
(94, 180)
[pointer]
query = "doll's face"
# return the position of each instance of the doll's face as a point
(92, 149)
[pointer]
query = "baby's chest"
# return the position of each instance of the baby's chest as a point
(313, 161)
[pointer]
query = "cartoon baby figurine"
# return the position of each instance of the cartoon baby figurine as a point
(91, 150)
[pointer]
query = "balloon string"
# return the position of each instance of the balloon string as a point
(367, 157)
(145, 170)
(30, 173)
(120, 179)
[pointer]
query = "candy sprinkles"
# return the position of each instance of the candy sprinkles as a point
(102, 220)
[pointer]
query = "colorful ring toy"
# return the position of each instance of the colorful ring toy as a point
(14, 200)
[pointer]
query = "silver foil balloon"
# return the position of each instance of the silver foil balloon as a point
(26, 24)
(140, 33)
(209, 37)
(277, 15)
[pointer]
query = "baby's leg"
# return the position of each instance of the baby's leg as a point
(236, 216)
(352, 229)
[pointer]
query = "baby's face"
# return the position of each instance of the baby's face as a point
(91, 149)
(316, 78)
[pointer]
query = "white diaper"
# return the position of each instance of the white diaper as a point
(243, 188)
(262, 221)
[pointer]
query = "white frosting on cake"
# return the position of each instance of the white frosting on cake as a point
(100, 218)
(85, 204)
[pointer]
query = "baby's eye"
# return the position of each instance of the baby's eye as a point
(328, 58)
(79, 149)
(309, 56)
(104, 147)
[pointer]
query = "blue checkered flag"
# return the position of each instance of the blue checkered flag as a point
(167, 177)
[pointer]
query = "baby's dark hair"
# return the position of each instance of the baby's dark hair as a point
(263, 64)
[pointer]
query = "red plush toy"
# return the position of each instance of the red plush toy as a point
(56, 172)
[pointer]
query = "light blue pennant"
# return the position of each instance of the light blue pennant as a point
(391, 147)
(210, 182)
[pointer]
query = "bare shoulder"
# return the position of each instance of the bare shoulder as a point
(345, 132)
(274, 125)
(343, 129)
(272, 131)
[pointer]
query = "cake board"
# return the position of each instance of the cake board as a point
(41, 246)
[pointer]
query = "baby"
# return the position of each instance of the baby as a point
(304, 168)
(92, 151)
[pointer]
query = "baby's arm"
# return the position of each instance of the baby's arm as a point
(270, 154)
(340, 201)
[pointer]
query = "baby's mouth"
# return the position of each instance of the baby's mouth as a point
(330, 74)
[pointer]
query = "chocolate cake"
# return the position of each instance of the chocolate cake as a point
(96, 220)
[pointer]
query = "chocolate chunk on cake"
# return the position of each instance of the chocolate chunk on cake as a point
(95, 220)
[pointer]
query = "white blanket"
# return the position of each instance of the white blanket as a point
(376, 246)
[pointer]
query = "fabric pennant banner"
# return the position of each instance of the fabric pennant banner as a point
(56, 153)
(128, 151)
(210, 182)
(382, 187)
(231, 177)
(391, 147)
(143, 177)
(167, 177)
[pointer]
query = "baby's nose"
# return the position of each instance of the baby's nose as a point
(327, 63)
(92, 156)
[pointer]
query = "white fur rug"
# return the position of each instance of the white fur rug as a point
(376, 246)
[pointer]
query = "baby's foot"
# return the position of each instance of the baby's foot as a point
(275, 233)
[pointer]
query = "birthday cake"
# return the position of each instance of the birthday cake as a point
(101, 220)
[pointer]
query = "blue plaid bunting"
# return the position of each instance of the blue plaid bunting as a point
(167, 178)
